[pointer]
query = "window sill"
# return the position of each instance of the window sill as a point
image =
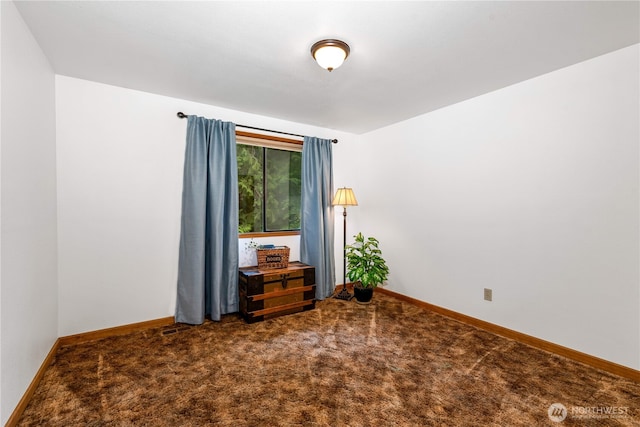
(269, 234)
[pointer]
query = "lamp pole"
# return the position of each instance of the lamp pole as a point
(344, 293)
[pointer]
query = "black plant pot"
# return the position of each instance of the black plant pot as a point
(363, 295)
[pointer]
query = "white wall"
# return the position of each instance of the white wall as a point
(28, 326)
(533, 191)
(120, 159)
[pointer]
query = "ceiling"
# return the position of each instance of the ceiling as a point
(407, 58)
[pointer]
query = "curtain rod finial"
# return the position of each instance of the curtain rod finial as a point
(181, 115)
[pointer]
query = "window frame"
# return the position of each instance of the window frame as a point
(268, 141)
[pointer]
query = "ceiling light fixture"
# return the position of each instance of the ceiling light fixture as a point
(330, 53)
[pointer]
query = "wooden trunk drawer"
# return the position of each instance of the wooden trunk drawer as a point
(269, 293)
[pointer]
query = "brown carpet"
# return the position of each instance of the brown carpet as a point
(342, 364)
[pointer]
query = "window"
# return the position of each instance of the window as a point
(269, 184)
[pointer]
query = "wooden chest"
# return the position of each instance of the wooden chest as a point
(269, 293)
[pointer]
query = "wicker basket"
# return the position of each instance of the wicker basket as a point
(272, 258)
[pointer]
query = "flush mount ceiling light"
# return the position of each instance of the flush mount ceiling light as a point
(330, 53)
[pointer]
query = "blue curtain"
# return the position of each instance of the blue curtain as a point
(208, 258)
(316, 222)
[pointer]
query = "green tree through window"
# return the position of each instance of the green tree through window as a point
(269, 188)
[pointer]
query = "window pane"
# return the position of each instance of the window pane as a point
(283, 188)
(250, 165)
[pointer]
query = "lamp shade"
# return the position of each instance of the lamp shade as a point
(330, 54)
(345, 197)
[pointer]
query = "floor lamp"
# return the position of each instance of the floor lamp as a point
(344, 197)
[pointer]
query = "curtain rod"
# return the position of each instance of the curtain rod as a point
(182, 115)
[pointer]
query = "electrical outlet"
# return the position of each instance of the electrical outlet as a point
(488, 294)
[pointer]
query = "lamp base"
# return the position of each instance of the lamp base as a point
(343, 294)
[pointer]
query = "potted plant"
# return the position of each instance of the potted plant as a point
(366, 267)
